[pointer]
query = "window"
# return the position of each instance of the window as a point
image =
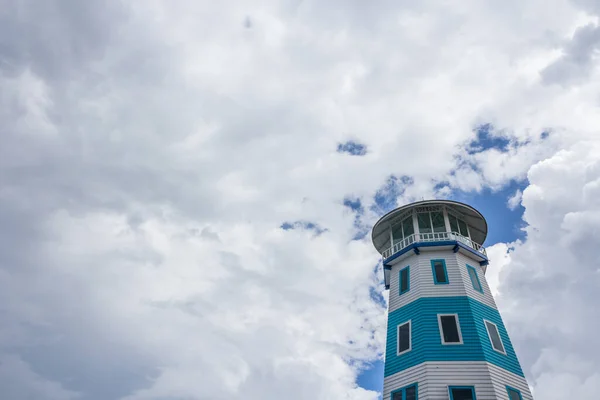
(397, 233)
(453, 223)
(462, 393)
(404, 339)
(407, 393)
(407, 227)
(494, 335)
(458, 225)
(474, 278)
(404, 279)
(424, 223)
(437, 221)
(463, 228)
(403, 230)
(410, 393)
(513, 394)
(440, 275)
(431, 222)
(449, 328)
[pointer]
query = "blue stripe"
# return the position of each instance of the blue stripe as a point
(426, 340)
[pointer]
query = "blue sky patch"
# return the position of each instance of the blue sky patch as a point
(371, 378)
(361, 232)
(486, 139)
(354, 204)
(440, 185)
(376, 296)
(304, 225)
(352, 148)
(360, 229)
(462, 162)
(504, 225)
(385, 198)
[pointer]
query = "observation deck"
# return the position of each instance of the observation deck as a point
(431, 225)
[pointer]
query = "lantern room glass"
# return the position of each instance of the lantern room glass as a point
(432, 223)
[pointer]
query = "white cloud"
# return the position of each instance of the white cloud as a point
(552, 278)
(499, 255)
(515, 200)
(151, 150)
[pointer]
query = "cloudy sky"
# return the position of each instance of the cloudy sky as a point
(186, 187)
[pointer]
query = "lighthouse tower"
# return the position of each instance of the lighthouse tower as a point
(445, 336)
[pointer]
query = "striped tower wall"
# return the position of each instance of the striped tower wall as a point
(431, 364)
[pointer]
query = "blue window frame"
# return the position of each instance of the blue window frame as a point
(440, 274)
(462, 392)
(513, 394)
(410, 392)
(404, 280)
(474, 278)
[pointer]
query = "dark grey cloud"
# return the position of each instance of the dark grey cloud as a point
(579, 58)
(56, 39)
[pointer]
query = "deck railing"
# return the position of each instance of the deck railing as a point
(432, 237)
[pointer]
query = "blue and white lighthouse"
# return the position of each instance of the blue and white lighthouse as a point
(445, 336)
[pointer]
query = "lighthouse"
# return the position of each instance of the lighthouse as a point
(445, 336)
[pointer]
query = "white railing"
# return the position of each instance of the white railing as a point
(432, 237)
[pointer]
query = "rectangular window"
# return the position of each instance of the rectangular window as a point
(397, 233)
(410, 393)
(404, 339)
(437, 221)
(453, 223)
(406, 393)
(403, 230)
(449, 328)
(458, 225)
(462, 393)
(474, 278)
(407, 226)
(494, 336)
(440, 275)
(513, 394)
(462, 226)
(424, 223)
(404, 280)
